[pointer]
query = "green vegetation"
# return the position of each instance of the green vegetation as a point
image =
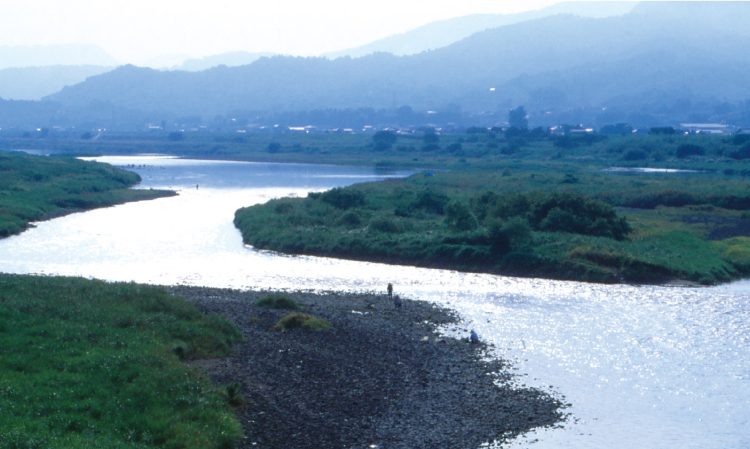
(576, 221)
(278, 301)
(548, 219)
(300, 320)
(91, 364)
(34, 188)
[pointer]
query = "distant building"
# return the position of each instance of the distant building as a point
(707, 128)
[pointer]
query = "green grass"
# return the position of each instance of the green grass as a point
(91, 364)
(299, 320)
(396, 222)
(34, 188)
(278, 301)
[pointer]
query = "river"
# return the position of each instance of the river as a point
(642, 366)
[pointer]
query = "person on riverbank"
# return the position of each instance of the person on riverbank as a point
(397, 302)
(474, 337)
(390, 290)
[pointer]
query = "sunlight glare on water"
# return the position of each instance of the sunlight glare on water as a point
(642, 366)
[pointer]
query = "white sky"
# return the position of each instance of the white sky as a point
(134, 31)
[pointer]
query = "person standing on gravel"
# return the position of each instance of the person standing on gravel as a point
(390, 290)
(397, 302)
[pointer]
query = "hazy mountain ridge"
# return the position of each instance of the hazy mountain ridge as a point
(445, 32)
(53, 55)
(33, 83)
(230, 59)
(557, 65)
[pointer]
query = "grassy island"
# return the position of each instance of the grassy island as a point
(544, 219)
(34, 188)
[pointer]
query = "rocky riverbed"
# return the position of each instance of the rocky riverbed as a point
(382, 377)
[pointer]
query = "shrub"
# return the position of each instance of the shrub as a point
(176, 136)
(635, 155)
(386, 225)
(666, 130)
(454, 147)
(578, 214)
(431, 138)
(273, 147)
(303, 321)
(510, 205)
(278, 301)
(349, 219)
(343, 198)
(742, 153)
(431, 201)
(384, 139)
(504, 236)
(283, 208)
(688, 149)
(459, 217)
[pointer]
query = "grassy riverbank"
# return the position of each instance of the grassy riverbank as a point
(34, 188)
(92, 364)
(87, 363)
(549, 220)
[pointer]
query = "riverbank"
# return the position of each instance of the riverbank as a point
(382, 377)
(39, 188)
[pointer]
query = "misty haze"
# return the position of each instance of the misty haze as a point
(488, 225)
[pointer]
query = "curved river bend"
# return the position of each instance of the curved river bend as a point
(642, 366)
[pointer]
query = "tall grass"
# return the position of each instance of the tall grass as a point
(90, 364)
(34, 188)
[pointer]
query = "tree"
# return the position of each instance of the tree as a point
(430, 136)
(517, 118)
(459, 217)
(384, 140)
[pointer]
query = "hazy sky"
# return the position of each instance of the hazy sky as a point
(135, 31)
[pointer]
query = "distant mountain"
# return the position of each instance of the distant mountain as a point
(660, 63)
(50, 55)
(33, 83)
(445, 32)
(231, 59)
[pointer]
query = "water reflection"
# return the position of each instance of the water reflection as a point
(642, 366)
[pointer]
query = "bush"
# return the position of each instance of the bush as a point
(303, 321)
(459, 217)
(349, 219)
(742, 153)
(278, 301)
(454, 147)
(635, 155)
(688, 149)
(343, 198)
(386, 225)
(504, 236)
(665, 130)
(384, 140)
(176, 136)
(579, 215)
(431, 201)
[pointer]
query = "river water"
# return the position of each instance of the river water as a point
(642, 366)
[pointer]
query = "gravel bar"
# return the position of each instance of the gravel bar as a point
(383, 377)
